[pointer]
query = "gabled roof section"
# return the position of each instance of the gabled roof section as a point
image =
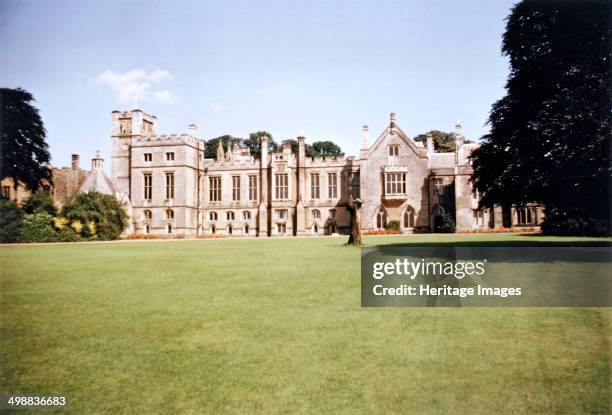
(96, 181)
(393, 128)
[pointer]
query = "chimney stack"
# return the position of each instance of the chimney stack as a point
(430, 144)
(393, 119)
(364, 141)
(75, 161)
(193, 130)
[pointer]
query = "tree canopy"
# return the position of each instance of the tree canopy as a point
(443, 142)
(38, 202)
(550, 134)
(98, 214)
(24, 153)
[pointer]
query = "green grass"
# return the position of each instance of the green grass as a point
(275, 326)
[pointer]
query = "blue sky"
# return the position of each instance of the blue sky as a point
(233, 67)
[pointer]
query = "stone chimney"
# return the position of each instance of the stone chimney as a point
(193, 130)
(286, 147)
(75, 161)
(364, 140)
(430, 144)
(97, 163)
(393, 119)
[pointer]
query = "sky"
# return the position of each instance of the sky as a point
(324, 68)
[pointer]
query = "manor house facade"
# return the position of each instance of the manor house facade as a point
(172, 189)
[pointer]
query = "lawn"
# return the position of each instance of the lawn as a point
(275, 326)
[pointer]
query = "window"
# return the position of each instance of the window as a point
(526, 216)
(282, 214)
(475, 194)
(148, 157)
(332, 186)
(395, 184)
(353, 185)
(169, 214)
(316, 214)
(212, 216)
(408, 218)
(147, 229)
(148, 215)
(215, 189)
(314, 186)
(381, 219)
(282, 186)
(281, 227)
(332, 214)
(148, 186)
(438, 186)
(235, 188)
(230, 215)
(478, 217)
(253, 187)
(6, 192)
(246, 229)
(169, 228)
(246, 215)
(394, 150)
(169, 156)
(169, 185)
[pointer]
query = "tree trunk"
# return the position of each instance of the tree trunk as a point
(354, 206)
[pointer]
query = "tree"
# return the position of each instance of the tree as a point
(40, 201)
(354, 206)
(550, 134)
(443, 142)
(96, 214)
(11, 219)
(326, 149)
(210, 150)
(253, 143)
(24, 153)
(38, 227)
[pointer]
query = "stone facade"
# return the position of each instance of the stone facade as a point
(174, 190)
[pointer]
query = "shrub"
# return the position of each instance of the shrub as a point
(142, 236)
(11, 219)
(39, 202)
(67, 234)
(38, 227)
(444, 223)
(96, 215)
(573, 223)
(393, 225)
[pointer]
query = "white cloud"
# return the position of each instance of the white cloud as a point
(140, 84)
(217, 107)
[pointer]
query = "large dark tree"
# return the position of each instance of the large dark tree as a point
(550, 135)
(24, 153)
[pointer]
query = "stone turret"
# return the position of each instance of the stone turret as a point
(220, 152)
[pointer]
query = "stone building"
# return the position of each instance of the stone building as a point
(172, 189)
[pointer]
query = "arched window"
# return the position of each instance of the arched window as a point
(169, 214)
(169, 228)
(316, 214)
(230, 230)
(381, 219)
(213, 229)
(332, 228)
(147, 214)
(315, 228)
(147, 229)
(408, 217)
(246, 229)
(212, 216)
(246, 215)
(332, 214)
(230, 215)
